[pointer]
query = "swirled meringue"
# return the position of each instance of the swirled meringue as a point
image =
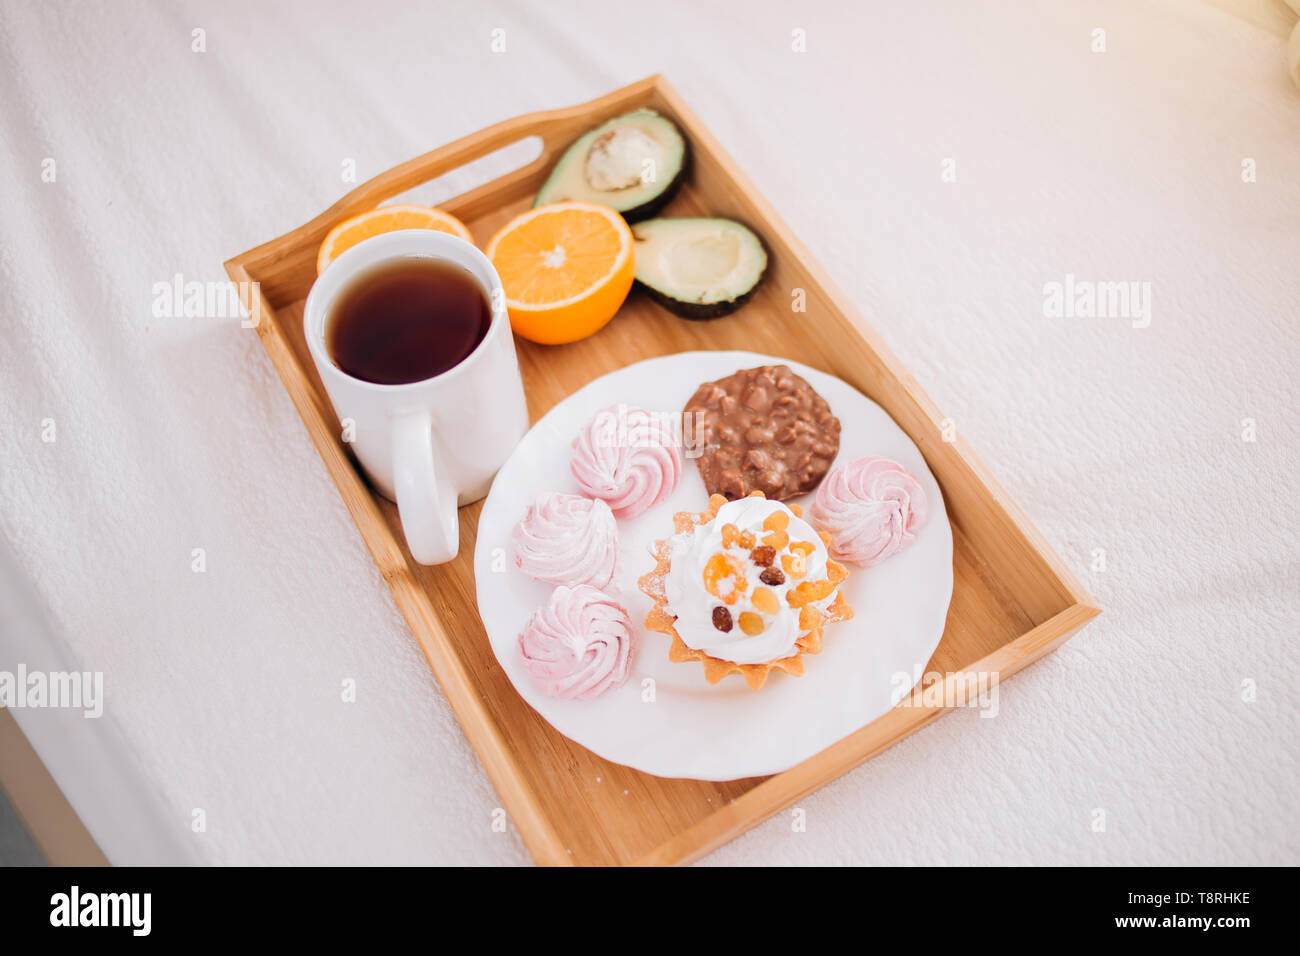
(628, 458)
(567, 539)
(871, 507)
(578, 645)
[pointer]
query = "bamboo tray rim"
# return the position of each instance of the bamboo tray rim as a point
(416, 604)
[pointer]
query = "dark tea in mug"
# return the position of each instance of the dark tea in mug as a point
(407, 320)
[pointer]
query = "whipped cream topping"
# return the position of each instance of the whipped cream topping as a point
(567, 539)
(690, 600)
(627, 458)
(872, 508)
(578, 645)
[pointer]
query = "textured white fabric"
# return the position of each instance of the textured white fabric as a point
(175, 433)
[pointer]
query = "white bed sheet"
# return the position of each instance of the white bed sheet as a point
(172, 433)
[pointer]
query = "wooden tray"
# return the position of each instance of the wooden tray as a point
(1013, 599)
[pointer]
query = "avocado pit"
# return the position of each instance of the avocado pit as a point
(621, 158)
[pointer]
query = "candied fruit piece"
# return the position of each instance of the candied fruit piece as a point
(765, 601)
(809, 591)
(772, 576)
(776, 521)
(795, 565)
(722, 619)
(777, 539)
(763, 555)
(724, 577)
(751, 623)
(736, 538)
(733, 536)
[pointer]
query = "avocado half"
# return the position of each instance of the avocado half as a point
(698, 268)
(632, 163)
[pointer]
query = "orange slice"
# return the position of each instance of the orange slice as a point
(566, 268)
(385, 219)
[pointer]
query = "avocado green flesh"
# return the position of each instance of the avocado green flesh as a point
(698, 268)
(569, 179)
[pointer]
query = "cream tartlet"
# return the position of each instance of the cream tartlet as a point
(745, 586)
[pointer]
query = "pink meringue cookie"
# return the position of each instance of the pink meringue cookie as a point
(567, 539)
(872, 509)
(628, 458)
(578, 645)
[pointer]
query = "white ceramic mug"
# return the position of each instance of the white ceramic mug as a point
(435, 444)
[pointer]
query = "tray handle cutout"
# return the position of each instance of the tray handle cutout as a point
(514, 138)
(286, 267)
(446, 187)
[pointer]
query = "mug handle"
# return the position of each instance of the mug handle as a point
(426, 505)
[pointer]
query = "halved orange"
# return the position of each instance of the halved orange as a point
(385, 219)
(566, 268)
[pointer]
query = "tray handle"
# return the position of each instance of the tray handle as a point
(555, 128)
(285, 267)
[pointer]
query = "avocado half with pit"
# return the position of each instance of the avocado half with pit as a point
(698, 268)
(632, 163)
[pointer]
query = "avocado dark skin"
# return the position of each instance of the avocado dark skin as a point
(703, 311)
(698, 311)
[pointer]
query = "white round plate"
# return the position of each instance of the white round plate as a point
(667, 719)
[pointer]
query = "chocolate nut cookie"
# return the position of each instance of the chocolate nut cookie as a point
(762, 429)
